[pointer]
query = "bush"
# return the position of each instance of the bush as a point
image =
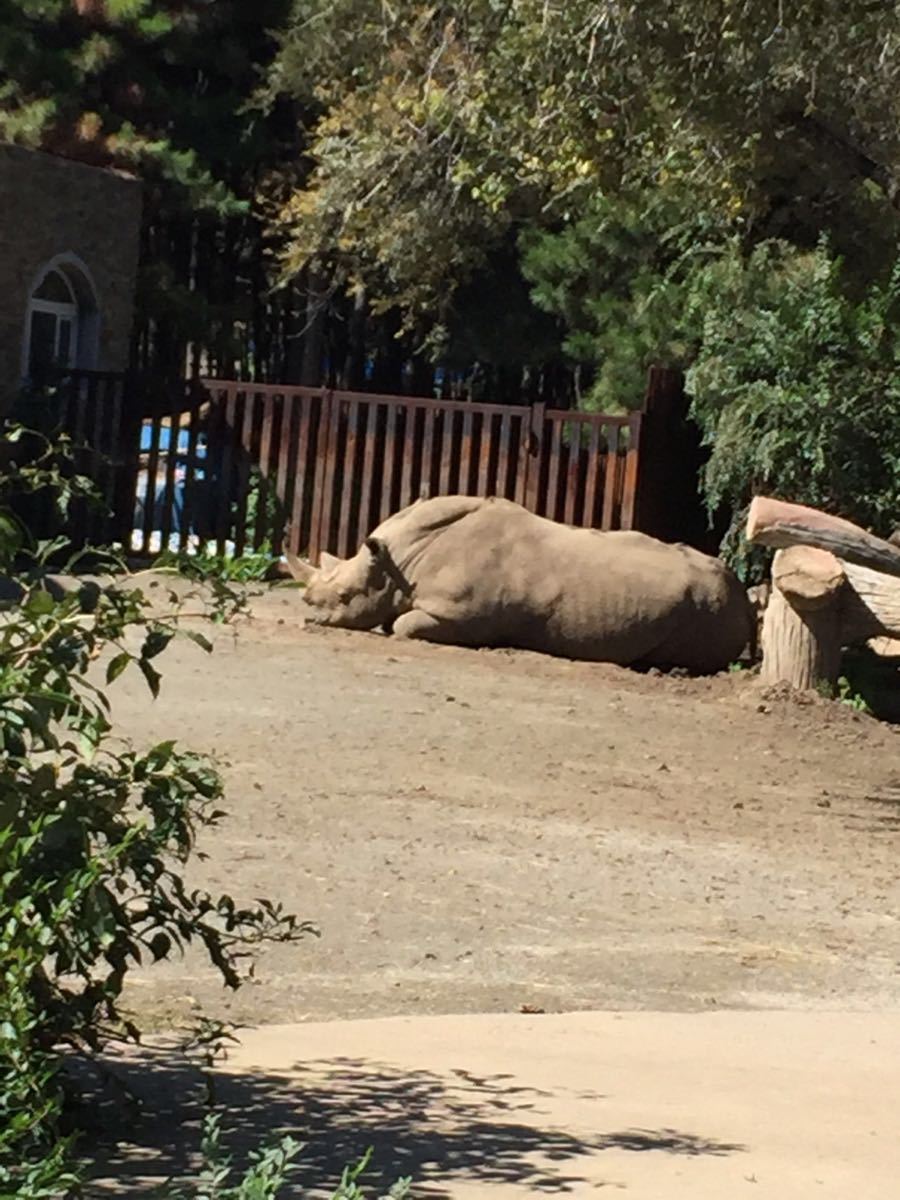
(796, 384)
(93, 834)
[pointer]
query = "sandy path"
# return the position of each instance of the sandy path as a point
(474, 831)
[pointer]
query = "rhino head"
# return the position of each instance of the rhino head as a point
(362, 592)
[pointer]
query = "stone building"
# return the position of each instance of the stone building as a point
(69, 237)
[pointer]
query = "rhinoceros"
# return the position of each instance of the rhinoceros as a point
(486, 572)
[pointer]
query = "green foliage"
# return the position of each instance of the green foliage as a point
(851, 698)
(617, 277)
(206, 566)
(263, 1180)
(266, 1175)
(796, 383)
(93, 838)
(441, 126)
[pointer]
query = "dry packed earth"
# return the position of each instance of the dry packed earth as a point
(478, 831)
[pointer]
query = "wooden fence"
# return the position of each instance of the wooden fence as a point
(234, 466)
(247, 466)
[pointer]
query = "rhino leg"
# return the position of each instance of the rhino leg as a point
(419, 624)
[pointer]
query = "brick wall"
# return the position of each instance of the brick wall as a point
(51, 208)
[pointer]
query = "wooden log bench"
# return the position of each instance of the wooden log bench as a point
(833, 585)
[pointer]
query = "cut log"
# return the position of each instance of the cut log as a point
(779, 524)
(808, 577)
(870, 605)
(801, 633)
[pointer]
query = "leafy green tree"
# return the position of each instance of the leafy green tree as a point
(441, 126)
(796, 383)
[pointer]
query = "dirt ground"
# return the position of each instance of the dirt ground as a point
(476, 831)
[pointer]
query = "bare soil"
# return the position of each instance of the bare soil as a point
(478, 831)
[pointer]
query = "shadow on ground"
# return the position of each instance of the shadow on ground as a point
(434, 1128)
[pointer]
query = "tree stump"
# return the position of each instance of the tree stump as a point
(801, 633)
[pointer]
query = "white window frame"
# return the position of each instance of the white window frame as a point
(83, 313)
(63, 312)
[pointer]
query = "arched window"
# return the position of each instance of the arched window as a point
(62, 322)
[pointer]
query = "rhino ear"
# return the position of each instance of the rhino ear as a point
(300, 570)
(327, 562)
(376, 547)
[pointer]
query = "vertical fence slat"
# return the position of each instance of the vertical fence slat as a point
(261, 527)
(484, 456)
(632, 458)
(369, 432)
(532, 446)
(465, 456)
(284, 477)
(152, 468)
(221, 496)
(190, 480)
(95, 522)
(553, 472)
(573, 473)
(329, 427)
(387, 471)
(243, 445)
(609, 477)
(408, 455)
(175, 408)
(446, 451)
(345, 500)
(304, 435)
(592, 476)
(503, 456)
(427, 454)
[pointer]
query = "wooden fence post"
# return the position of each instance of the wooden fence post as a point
(668, 504)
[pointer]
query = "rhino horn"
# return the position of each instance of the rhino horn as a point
(300, 570)
(327, 562)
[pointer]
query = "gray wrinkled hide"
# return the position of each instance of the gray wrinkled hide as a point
(475, 572)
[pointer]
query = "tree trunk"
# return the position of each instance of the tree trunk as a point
(801, 632)
(314, 332)
(354, 373)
